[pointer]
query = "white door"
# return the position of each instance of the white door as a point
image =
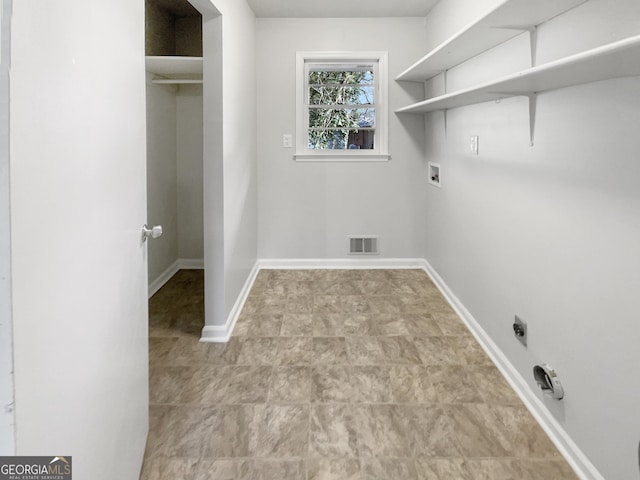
(78, 203)
(7, 438)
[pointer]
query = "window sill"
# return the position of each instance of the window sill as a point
(341, 158)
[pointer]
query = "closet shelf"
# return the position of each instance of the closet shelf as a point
(175, 69)
(506, 21)
(176, 81)
(614, 60)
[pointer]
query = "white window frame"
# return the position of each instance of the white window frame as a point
(380, 152)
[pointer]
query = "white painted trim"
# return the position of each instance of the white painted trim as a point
(180, 264)
(344, 158)
(163, 278)
(558, 435)
(339, 263)
(191, 264)
(381, 147)
(222, 333)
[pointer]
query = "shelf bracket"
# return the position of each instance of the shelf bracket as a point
(533, 45)
(533, 38)
(445, 74)
(533, 103)
(444, 119)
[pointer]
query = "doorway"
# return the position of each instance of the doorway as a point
(174, 137)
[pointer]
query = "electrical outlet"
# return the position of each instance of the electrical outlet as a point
(520, 330)
(287, 140)
(474, 144)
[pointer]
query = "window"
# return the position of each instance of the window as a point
(341, 106)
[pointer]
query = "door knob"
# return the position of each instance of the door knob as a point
(153, 232)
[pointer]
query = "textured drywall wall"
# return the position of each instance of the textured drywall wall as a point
(307, 210)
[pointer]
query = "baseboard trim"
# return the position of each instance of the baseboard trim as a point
(216, 333)
(558, 435)
(179, 264)
(163, 278)
(340, 263)
(222, 333)
(191, 264)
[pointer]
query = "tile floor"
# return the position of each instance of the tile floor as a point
(333, 374)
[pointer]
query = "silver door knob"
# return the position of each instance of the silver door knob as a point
(153, 232)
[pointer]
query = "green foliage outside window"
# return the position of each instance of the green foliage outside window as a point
(341, 109)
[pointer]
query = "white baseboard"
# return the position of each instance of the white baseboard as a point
(180, 264)
(191, 263)
(222, 333)
(163, 278)
(567, 447)
(339, 263)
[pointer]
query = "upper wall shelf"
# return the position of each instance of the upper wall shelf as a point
(617, 59)
(507, 20)
(175, 70)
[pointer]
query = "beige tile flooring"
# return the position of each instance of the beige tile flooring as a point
(333, 374)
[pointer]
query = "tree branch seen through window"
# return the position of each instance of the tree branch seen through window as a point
(342, 109)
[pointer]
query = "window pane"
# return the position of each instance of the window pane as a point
(341, 139)
(345, 117)
(335, 75)
(358, 95)
(341, 98)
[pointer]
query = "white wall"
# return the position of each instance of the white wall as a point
(230, 203)
(174, 174)
(77, 207)
(7, 420)
(212, 174)
(189, 172)
(162, 176)
(550, 232)
(239, 146)
(307, 210)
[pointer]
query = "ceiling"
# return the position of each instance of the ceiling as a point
(341, 8)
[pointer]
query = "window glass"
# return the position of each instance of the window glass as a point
(335, 93)
(341, 106)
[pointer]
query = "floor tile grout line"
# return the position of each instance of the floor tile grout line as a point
(350, 364)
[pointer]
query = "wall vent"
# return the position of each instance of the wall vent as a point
(363, 245)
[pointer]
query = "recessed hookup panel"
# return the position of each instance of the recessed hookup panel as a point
(434, 174)
(520, 330)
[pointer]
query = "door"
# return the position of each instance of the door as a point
(78, 203)
(7, 438)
